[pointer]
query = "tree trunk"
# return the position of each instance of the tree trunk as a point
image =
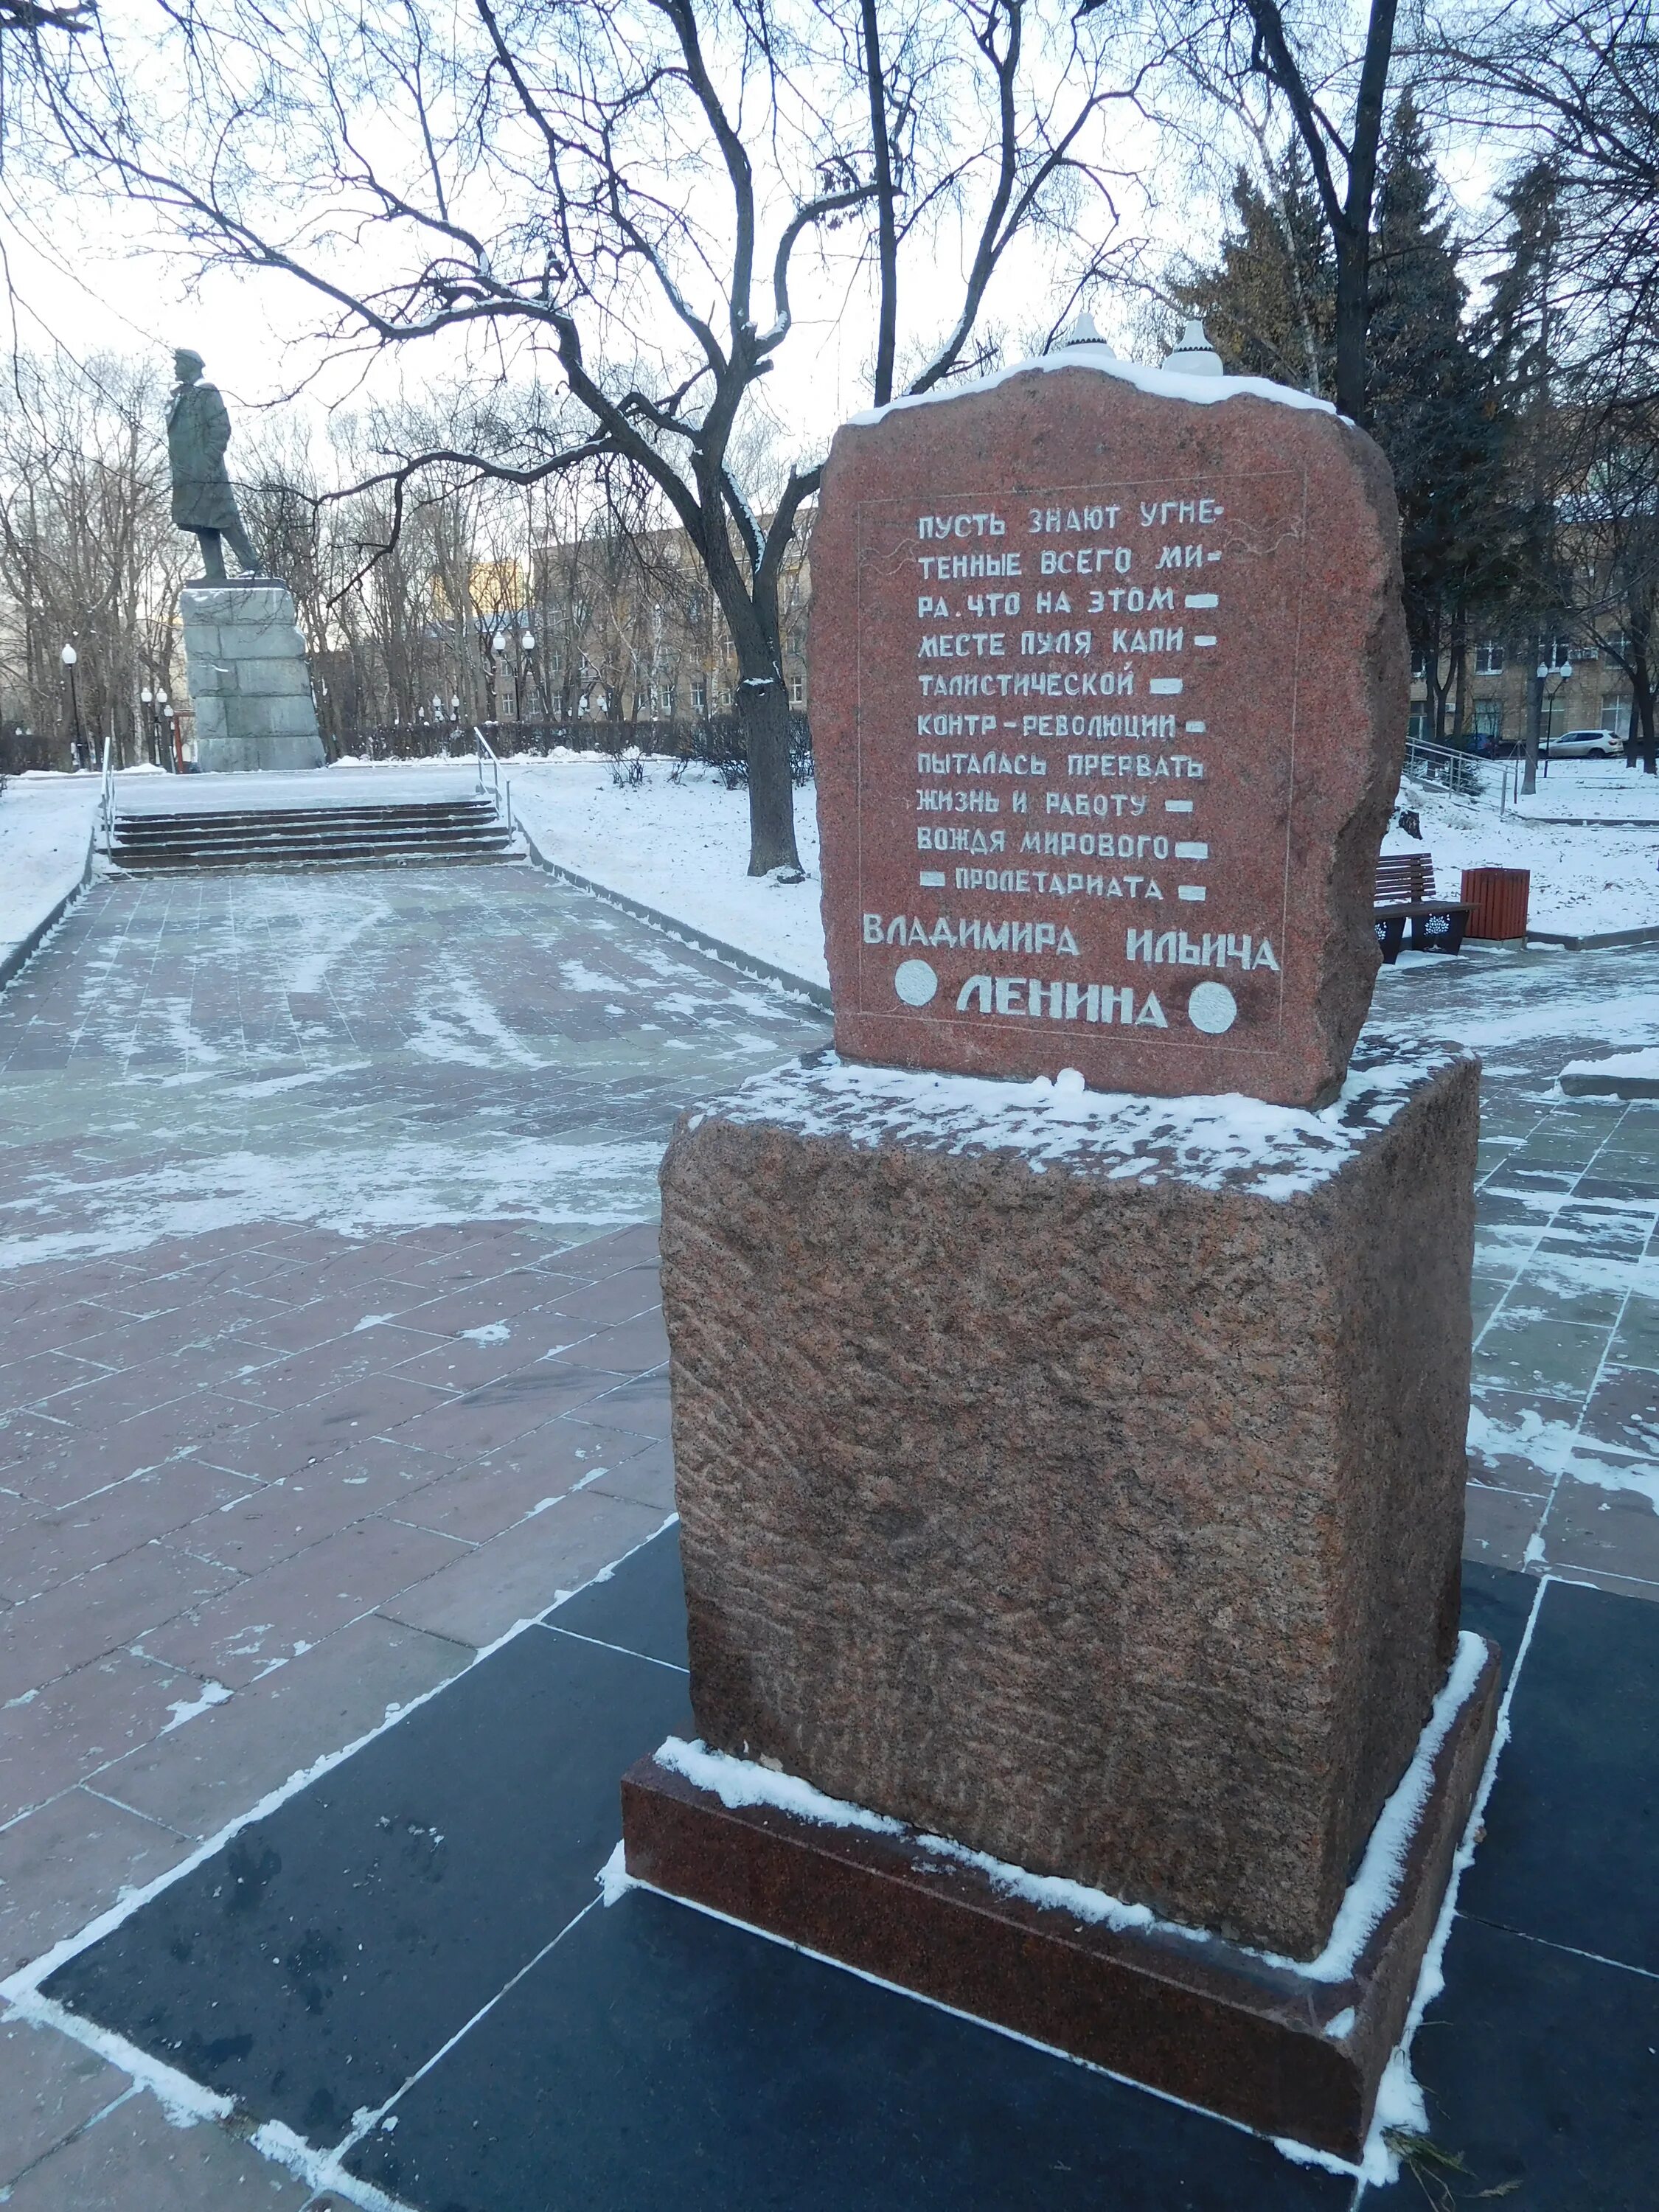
(1644, 720)
(1458, 679)
(1352, 306)
(763, 721)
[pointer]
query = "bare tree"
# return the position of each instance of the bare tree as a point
(88, 557)
(1574, 85)
(623, 193)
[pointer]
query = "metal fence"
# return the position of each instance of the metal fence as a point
(1459, 772)
(713, 741)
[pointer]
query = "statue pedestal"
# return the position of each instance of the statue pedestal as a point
(249, 680)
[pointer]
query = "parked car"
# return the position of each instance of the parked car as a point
(1585, 744)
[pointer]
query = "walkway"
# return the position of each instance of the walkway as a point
(329, 1339)
(1564, 1438)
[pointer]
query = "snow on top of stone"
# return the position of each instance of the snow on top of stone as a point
(1645, 1062)
(1162, 383)
(1226, 1141)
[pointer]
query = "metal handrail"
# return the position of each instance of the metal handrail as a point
(106, 796)
(486, 751)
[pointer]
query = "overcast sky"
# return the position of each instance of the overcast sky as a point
(89, 278)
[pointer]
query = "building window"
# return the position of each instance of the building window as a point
(1617, 650)
(699, 698)
(1489, 657)
(1488, 717)
(1557, 652)
(1419, 668)
(666, 700)
(1417, 722)
(798, 691)
(1615, 715)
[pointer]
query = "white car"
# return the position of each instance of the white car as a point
(1585, 744)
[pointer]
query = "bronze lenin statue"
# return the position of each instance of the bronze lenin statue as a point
(198, 431)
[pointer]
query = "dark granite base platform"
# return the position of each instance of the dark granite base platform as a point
(1206, 2021)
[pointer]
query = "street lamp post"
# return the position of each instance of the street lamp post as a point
(69, 657)
(498, 647)
(526, 667)
(1547, 671)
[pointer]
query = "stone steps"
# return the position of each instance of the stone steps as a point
(443, 831)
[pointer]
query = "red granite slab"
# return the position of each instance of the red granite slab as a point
(1108, 706)
(1211, 2022)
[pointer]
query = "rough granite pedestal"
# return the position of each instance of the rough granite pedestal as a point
(1080, 1477)
(249, 680)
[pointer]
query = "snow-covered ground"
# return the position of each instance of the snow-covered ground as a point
(1584, 881)
(1601, 790)
(682, 849)
(45, 822)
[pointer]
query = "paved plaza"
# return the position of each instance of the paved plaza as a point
(330, 1351)
(329, 1338)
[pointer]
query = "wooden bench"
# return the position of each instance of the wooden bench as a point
(1406, 893)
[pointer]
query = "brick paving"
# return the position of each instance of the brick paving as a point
(329, 1348)
(1565, 1458)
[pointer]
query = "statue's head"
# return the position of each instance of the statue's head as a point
(188, 366)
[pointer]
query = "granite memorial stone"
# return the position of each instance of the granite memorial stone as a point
(1122, 716)
(1071, 1374)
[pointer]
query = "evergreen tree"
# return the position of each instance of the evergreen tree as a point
(1269, 304)
(1434, 412)
(1518, 336)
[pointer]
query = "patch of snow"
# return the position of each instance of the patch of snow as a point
(492, 1332)
(213, 1693)
(1301, 2154)
(1645, 1062)
(614, 1880)
(1161, 383)
(1212, 1142)
(46, 824)
(1557, 1448)
(357, 1190)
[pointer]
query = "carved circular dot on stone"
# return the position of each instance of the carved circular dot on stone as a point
(915, 982)
(1212, 1008)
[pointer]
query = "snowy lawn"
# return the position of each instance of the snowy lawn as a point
(1602, 790)
(45, 822)
(681, 847)
(1584, 881)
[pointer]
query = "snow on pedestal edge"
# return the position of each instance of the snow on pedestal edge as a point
(1369, 1896)
(1209, 1140)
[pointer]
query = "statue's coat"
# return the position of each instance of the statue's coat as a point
(198, 431)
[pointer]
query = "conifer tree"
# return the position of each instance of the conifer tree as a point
(1433, 412)
(1269, 304)
(1518, 338)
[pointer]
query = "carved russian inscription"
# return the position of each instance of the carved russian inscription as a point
(1109, 695)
